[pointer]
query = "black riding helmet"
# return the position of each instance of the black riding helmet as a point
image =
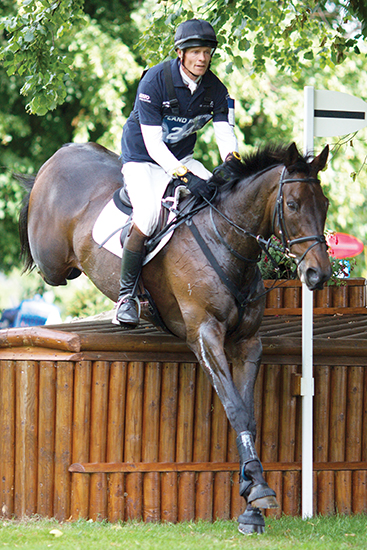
(195, 33)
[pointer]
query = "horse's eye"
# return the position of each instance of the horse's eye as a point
(292, 205)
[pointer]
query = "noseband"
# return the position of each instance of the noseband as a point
(278, 217)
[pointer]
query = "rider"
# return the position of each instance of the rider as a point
(158, 142)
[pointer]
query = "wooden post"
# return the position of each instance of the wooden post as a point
(359, 501)
(218, 453)
(274, 298)
(270, 431)
(184, 441)
(151, 485)
(204, 484)
(338, 395)
(324, 297)
(343, 492)
(115, 439)
(321, 413)
(353, 450)
(291, 493)
(364, 418)
(325, 493)
(26, 438)
(167, 437)
(81, 436)
(133, 430)
(98, 437)
(340, 295)
(63, 438)
(287, 417)
(270, 419)
(275, 480)
(46, 441)
(357, 293)
(7, 439)
(292, 296)
(287, 482)
(354, 414)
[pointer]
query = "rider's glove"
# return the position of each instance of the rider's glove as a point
(197, 186)
(228, 170)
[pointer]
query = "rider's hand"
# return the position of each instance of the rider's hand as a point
(197, 186)
(228, 170)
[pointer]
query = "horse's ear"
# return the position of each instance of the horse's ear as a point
(319, 162)
(292, 155)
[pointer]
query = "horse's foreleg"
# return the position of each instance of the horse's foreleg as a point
(207, 343)
(246, 359)
(208, 347)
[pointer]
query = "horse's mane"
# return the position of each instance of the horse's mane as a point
(264, 158)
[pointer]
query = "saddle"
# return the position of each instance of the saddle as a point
(171, 203)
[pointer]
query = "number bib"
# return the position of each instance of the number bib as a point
(176, 128)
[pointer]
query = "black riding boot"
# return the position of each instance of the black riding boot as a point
(132, 259)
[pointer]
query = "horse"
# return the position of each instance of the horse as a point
(205, 282)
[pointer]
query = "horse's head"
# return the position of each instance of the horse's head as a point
(300, 215)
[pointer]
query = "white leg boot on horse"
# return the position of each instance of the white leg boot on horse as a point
(127, 307)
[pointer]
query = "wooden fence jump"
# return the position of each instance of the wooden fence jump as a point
(137, 432)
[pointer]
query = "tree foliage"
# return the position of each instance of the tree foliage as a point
(290, 33)
(98, 93)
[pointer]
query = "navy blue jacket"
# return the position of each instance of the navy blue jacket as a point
(152, 108)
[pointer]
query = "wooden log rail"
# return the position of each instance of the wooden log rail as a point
(146, 467)
(39, 337)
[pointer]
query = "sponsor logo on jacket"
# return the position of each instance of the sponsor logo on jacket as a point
(144, 97)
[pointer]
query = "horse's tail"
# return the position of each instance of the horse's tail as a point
(25, 251)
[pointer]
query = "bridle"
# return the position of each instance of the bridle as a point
(279, 219)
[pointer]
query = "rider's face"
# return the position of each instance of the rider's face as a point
(196, 60)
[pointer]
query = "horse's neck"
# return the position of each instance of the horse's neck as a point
(251, 205)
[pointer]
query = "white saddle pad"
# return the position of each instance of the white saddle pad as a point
(107, 230)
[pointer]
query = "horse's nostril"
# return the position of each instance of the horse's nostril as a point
(315, 278)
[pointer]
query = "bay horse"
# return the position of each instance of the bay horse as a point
(205, 282)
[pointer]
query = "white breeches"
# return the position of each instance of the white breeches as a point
(146, 183)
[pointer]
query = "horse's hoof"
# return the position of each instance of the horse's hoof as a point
(251, 522)
(261, 496)
(251, 529)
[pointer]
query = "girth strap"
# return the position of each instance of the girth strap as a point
(242, 298)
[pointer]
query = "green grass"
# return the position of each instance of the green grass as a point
(333, 533)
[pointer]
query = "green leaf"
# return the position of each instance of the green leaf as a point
(308, 55)
(28, 35)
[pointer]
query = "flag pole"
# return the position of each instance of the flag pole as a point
(307, 381)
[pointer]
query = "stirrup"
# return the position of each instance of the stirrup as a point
(115, 321)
